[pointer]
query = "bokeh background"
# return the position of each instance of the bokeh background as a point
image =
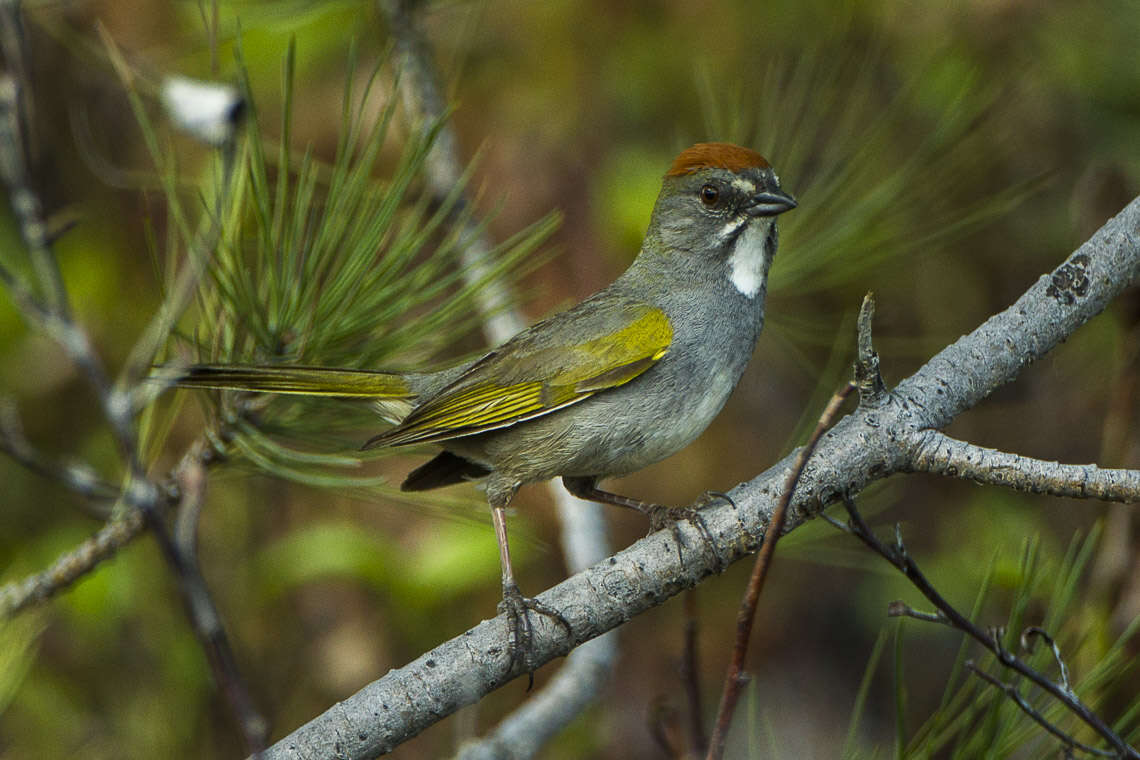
(945, 155)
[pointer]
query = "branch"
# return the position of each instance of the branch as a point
(419, 87)
(862, 448)
(72, 565)
(14, 169)
(79, 477)
(1015, 696)
(898, 556)
(939, 454)
(144, 500)
(180, 550)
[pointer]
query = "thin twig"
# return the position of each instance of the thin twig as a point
(897, 555)
(77, 476)
(1033, 632)
(691, 679)
(203, 615)
(71, 566)
(735, 679)
(1016, 697)
(22, 197)
(902, 609)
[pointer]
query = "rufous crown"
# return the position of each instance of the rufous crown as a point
(716, 155)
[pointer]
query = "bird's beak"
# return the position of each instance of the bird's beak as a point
(770, 203)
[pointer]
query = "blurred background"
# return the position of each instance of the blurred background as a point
(944, 155)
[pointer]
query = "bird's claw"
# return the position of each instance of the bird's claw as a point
(670, 517)
(708, 498)
(520, 646)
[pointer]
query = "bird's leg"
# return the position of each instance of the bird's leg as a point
(514, 604)
(660, 517)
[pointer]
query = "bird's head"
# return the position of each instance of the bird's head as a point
(718, 207)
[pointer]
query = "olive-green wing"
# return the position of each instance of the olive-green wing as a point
(553, 364)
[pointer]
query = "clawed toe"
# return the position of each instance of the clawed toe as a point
(708, 498)
(667, 517)
(521, 644)
(670, 517)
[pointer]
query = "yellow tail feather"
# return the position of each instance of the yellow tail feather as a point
(304, 381)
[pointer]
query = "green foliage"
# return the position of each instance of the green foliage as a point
(324, 264)
(857, 712)
(458, 558)
(18, 639)
(974, 719)
(828, 124)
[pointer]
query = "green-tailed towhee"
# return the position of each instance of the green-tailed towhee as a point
(620, 381)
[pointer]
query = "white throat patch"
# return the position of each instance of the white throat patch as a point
(748, 265)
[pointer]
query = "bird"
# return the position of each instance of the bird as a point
(624, 379)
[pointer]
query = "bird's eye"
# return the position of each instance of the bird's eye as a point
(709, 195)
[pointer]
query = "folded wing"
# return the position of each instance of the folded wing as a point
(550, 366)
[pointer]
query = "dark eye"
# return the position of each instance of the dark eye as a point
(709, 195)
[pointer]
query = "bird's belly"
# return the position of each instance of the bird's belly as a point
(653, 435)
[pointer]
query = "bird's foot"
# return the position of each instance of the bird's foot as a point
(521, 644)
(670, 517)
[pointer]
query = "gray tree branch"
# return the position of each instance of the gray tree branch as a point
(939, 454)
(72, 565)
(866, 446)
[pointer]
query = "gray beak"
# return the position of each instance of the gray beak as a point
(770, 203)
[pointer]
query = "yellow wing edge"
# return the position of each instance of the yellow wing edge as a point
(457, 412)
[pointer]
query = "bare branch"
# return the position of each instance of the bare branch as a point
(899, 608)
(205, 620)
(939, 454)
(71, 566)
(419, 87)
(1033, 632)
(77, 476)
(14, 169)
(142, 498)
(48, 311)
